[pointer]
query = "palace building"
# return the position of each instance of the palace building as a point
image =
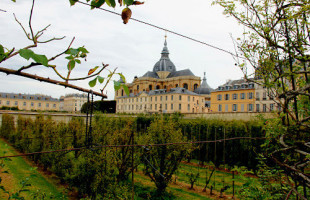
(165, 89)
(242, 96)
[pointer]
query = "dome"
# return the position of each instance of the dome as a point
(164, 64)
(204, 88)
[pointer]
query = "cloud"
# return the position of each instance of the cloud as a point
(133, 48)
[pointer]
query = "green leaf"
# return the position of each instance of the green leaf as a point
(26, 53)
(2, 55)
(40, 59)
(128, 2)
(71, 65)
(100, 79)
(72, 2)
(122, 77)
(92, 83)
(83, 50)
(69, 57)
(77, 61)
(111, 3)
(96, 3)
(126, 89)
(117, 85)
(72, 51)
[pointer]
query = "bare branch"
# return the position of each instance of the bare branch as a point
(27, 34)
(30, 18)
(52, 39)
(48, 80)
(53, 58)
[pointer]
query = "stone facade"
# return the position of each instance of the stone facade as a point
(165, 90)
(242, 96)
(29, 102)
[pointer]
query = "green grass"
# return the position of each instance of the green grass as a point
(178, 192)
(219, 179)
(19, 170)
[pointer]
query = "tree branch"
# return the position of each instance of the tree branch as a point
(48, 80)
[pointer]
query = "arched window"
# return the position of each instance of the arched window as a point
(195, 86)
(185, 86)
(165, 87)
(176, 85)
(138, 87)
(122, 92)
(150, 87)
(157, 87)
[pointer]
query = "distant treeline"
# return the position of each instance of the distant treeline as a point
(101, 106)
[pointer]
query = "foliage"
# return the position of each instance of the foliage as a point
(100, 106)
(163, 161)
(96, 172)
(276, 45)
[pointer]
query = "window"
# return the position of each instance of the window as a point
(250, 95)
(0, 101)
(24, 103)
(166, 98)
(264, 96)
(151, 98)
(219, 97)
(271, 106)
(151, 106)
(7, 102)
(188, 107)
(185, 86)
(242, 96)
(171, 97)
(226, 96)
(264, 108)
(180, 106)
(54, 105)
(161, 98)
(39, 104)
(47, 105)
(195, 86)
(155, 106)
(234, 107)
(250, 107)
(32, 104)
(172, 106)
(257, 107)
(189, 98)
(220, 108)
(271, 96)
(257, 96)
(16, 103)
(165, 106)
(155, 98)
(180, 97)
(235, 96)
(138, 88)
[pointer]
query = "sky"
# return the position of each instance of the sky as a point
(132, 48)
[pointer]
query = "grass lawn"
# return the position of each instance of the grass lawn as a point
(19, 170)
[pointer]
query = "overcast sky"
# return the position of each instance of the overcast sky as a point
(133, 48)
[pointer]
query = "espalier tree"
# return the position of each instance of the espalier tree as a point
(276, 44)
(74, 56)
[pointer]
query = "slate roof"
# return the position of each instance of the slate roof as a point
(185, 72)
(164, 63)
(204, 88)
(27, 96)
